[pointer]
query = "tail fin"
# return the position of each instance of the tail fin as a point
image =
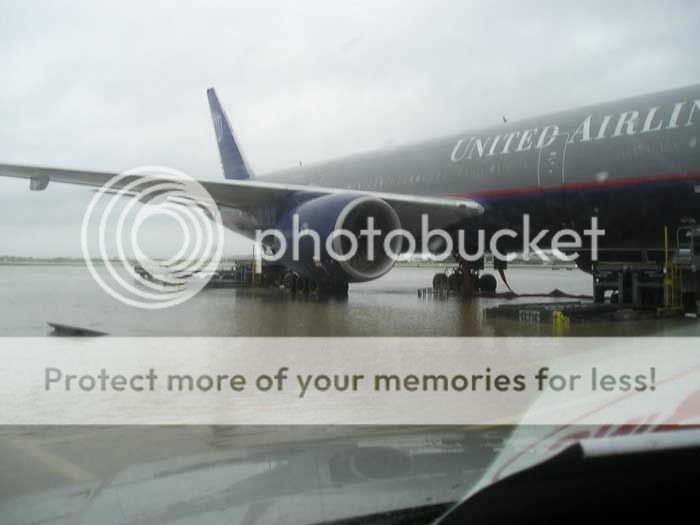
(232, 159)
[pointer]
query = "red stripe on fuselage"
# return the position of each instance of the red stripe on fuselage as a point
(578, 186)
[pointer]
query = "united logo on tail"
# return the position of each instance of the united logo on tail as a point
(232, 160)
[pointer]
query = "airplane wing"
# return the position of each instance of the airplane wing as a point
(253, 194)
(241, 191)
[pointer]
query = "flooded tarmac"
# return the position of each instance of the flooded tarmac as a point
(58, 467)
(75, 460)
(390, 306)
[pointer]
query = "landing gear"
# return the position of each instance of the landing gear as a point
(452, 282)
(469, 272)
(440, 281)
(295, 283)
(501, 266)
(465, 279)
(487, 283)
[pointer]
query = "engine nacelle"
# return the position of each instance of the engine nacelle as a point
(330, 213)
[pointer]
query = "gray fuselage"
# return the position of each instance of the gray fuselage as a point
(633, 163)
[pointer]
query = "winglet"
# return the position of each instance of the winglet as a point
(232, 159)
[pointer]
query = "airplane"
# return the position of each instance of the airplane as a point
(633, 163)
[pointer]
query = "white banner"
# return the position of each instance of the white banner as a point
(373, 381)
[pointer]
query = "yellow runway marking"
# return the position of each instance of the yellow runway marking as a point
(53, 461)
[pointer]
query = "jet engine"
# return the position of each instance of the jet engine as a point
(307, 227)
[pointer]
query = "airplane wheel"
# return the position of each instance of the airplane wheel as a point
(455, 281)
(440, 281)
(487, 283)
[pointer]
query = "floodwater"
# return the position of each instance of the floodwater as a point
(32, 295)
(72, 461)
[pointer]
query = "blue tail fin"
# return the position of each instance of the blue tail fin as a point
(232, 159)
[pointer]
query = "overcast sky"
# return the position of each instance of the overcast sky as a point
(112, 87)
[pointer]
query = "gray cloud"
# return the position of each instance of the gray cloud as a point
(122, 85)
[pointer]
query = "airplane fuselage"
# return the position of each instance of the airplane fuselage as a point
(633, 163)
